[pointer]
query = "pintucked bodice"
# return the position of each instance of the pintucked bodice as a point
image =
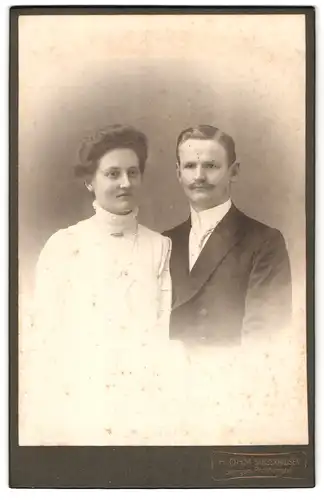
(98, 282)
(102, 308)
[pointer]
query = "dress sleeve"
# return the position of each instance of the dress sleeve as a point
(38, 348)
(165, 290)
(46, 296)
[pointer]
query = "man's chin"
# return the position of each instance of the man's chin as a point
(200, 196)
(203, 202)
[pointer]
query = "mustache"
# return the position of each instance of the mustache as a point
(203, 185)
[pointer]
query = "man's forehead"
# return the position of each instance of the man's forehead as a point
(202, 148)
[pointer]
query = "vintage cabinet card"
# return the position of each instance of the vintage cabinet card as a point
(161, 247)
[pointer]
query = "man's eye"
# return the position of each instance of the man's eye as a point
(210, 164)
(190, 165)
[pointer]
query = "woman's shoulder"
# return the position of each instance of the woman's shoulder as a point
(66, 238)
(155, 236)
(159, 245)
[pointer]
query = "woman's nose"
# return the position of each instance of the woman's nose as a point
(124, 183)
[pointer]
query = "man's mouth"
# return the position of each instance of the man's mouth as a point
(205, 187)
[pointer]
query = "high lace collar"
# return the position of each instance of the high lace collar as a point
(114, 224)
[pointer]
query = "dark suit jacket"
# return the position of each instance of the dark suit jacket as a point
(240, 283)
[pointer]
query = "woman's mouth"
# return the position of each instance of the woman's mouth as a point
(124, 195)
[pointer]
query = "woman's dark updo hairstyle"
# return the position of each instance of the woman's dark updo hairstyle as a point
(112, 137)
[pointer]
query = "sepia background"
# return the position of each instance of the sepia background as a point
(242, 73)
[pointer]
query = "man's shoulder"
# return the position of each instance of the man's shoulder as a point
(258, 234)
(253, 225)
(178, 229)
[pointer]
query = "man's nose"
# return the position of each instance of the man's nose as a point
(125, 183)
(199, 172)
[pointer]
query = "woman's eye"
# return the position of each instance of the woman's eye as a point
(112, 174)
(133, 172)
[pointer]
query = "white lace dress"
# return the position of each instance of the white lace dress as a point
(99, 367)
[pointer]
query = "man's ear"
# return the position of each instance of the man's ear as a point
(234, 171)
(178, 170)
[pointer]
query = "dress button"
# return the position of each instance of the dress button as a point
(203, 312)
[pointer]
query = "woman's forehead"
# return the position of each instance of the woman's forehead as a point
(119, 157)
(201, 149)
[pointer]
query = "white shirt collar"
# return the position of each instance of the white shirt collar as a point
(208, 219)
(116, 224)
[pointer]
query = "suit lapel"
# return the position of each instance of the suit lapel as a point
(226, 235)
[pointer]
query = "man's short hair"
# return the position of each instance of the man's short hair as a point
(205, 132)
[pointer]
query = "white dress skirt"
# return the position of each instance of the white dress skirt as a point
(97, 366)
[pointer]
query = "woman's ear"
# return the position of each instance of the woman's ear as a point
(88, 185)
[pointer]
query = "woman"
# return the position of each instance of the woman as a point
(103, 297)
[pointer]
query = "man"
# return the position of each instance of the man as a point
(231, 274)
